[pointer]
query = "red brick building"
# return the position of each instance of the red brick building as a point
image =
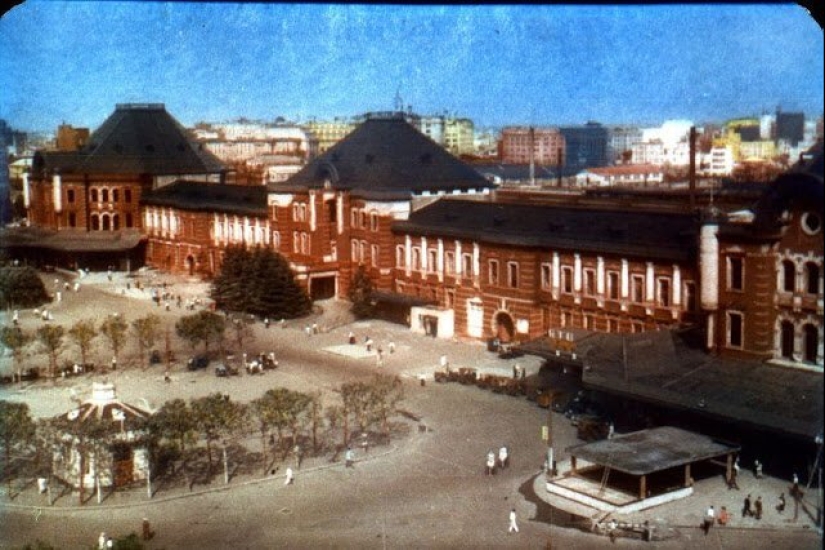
(189, 224)
(337, 212)
(84, 205)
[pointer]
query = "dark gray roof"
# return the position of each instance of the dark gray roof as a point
(647, 451)
(71, 240)
(135, 139)
(210, 197)
(386, 154)
(668, 236)
(670, 368)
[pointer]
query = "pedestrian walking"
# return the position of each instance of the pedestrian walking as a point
(16, 317)
(513, 525)
(146, 528)
(101, 541)
(351, 338)
(114, 363)
(299, 456)
(266, 322)
(491, 463)
(391, 347)
(734, 475)
(757, 469)
(724, 517)
(746, 507)
(444, 363)
(290, 475)
(710, 518)
(348, 458)
(368, 343)
(781, 506)
(503, 457)
(379, 357)
(795, 486)
(758, 508)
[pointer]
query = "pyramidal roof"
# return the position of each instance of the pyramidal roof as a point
(386, 155)
(137, 139)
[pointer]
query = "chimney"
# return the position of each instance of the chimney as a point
(692, 173)
(532, 156)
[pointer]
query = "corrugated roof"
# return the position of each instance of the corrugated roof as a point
(211, 197)
(667, 236)
(136, 139)
(647, 451)
(387, 154)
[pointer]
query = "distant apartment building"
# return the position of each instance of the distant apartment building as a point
(325, 134)
(622, 139)
(459, 136)
(790, 127)
(585, 146)
(631, 175)
(70, 138)
(522, 145)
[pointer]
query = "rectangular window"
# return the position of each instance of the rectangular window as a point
(588, 322)
(567, 280)
(637, 288)
(735, 329)
(70, 196)
(589, 282)
(276, 240)
(354, 250)
(353, 217)
(612, 325)
(416, 259)
(467, 265)
(296, 242)
(613, 285)
(546, 276)
(736, 280)
(127, 195)
(374, 221)
(663, 292)
(399, 256)
(72, 219)
(432, 260)
(512, 274)
(690, 296)
(374, 255)
(449, 299)
(449, 263)
(492, 272)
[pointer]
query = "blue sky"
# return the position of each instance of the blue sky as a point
(499, 65)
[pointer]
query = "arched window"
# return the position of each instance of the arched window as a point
(105, 222)
(811, 338)
(104, 195)
(812, 278)
(115, 222)
(788, 276)
(129, 221)
(93, 195)
(95, 222)
(127, 195)
(115, 195)
(786, 339)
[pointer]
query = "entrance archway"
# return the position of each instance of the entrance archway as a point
(504, 327)
(190, 264)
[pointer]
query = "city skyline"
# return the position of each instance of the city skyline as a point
(497, 65)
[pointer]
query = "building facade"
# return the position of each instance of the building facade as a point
(543, 146)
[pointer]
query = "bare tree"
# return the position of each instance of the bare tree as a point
(114, 329)
(147, 330)
(51, 339)
(82, 333)
(16, 340)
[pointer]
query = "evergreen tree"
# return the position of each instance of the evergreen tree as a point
(360, 293)
(21, 287)
(259, 282)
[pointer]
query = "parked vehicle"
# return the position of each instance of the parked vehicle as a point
(224, 369)
(197, 362)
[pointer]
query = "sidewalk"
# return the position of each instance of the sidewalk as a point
(689, 512)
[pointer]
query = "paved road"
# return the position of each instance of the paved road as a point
(427, 490)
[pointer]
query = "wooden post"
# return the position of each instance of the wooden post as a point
(729, 467)
(688, 482)
(642, 487)
(573, 465)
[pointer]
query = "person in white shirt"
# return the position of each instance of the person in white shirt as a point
(513, 526)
